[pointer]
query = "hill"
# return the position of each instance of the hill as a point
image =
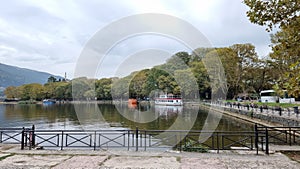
(16, 76)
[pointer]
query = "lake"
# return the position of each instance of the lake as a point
(115, 116)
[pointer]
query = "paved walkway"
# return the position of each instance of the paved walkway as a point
(11, 157)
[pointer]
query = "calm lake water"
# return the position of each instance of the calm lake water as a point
(110, 116)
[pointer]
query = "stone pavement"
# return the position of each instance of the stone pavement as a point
(11, 157)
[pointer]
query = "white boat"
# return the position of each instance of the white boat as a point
(169, 100)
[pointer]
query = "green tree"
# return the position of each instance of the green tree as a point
(103, 88)
(60, 91)
(37, 91)
(285, 43)
(49, 90)
(179, 61)
(216, 75)
(247, 64)
(52, 79)
(137, 84)
(271, 13)
(11, 92)
(199, 53)
(286, 54)
(185, 79)
(167, 84)
(184, 56)
(80, 86)
(32, 91)
(200, 73)
(151, 84)
(232, 67)
(120, 88)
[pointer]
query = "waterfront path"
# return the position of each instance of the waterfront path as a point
(11, 157)
(267, 117)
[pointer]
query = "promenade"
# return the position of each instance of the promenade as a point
(11, 157)
(268, 116)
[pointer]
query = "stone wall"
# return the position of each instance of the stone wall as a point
(270, 117)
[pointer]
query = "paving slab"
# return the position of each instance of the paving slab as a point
(141, 162)
(32, 161)
(275, 161)
(85, 162)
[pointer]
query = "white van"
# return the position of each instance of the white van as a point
(270, 96)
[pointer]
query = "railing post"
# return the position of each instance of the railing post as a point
(180, 142)
(184, 142)
(33, 136)
(218, 146)
(294, 137)
(141, 139)
(256, 138)
(128, 140)
(290, 131)
(95, 139)
(213, 141)
(251, 142)
(262, 143)
(25, 137)
(280, 111)
(222, 138)
(261, 109)
(267, 141)
(136, 139)
(62, 140)
(22, 138)
(286, 136)
(145, 139)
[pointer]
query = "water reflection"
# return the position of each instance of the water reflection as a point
(54, 116)
(96, 116)
(168, 111)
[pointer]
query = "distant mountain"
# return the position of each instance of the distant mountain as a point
(15, 76)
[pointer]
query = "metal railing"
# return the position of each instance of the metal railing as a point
(291, 112)
(181, 140)
(277, 136)
(143, 140)
(11, 135)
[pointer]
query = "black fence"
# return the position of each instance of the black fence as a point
(143, 140)
(12, 135)
(280, 111)
(276, 136)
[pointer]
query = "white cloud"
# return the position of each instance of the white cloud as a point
(49, 35)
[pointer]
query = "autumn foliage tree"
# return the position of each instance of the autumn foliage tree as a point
(282, 14)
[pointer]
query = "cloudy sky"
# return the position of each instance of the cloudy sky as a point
(50, 35)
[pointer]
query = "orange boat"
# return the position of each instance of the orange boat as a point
(132, 103)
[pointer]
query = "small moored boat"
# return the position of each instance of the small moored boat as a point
(49, 101)
(169, 100)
